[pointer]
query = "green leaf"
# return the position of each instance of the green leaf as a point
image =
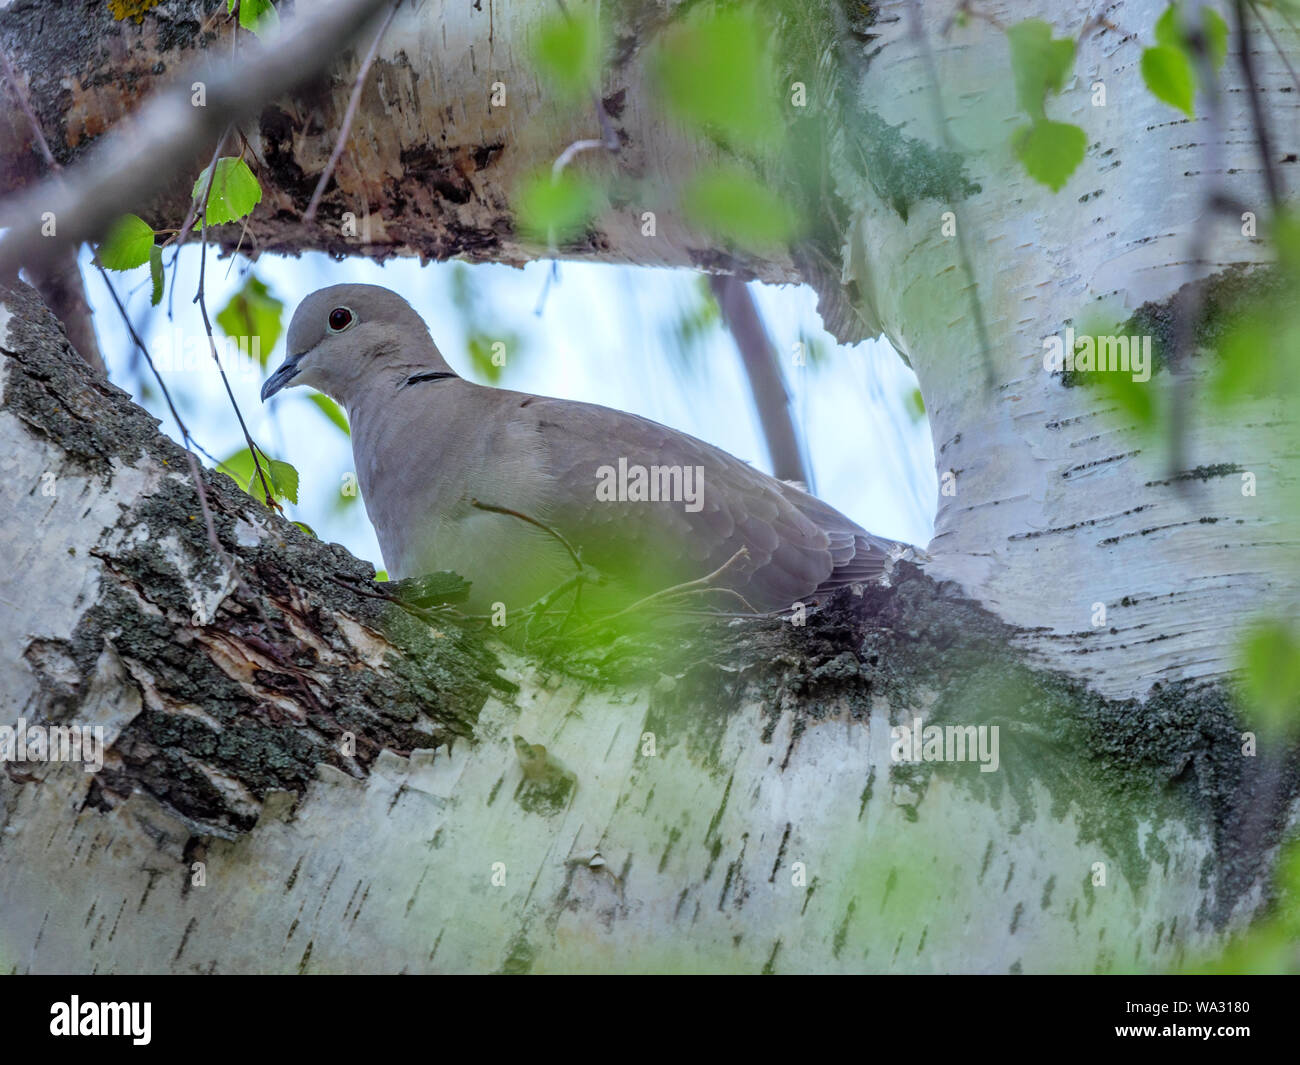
(381, 574)
(259, 16)
(156, 274)
(1168, 74)
(1269, 654)
(1050, 151)
(253, 314)
(556, 210)
(127, 244)
(714, 71)
(307, 529)
(235, 192)
(1136, 399)
(1257, 354)
(331, 410)
(283, 478)
(567, 51)
(1171, 33)
(1039, 63)
(735, 205)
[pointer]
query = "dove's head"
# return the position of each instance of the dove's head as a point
(347, 336)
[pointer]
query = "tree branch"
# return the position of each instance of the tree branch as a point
(764, 372)
(167, 132)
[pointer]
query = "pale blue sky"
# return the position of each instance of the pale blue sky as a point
(603, 335)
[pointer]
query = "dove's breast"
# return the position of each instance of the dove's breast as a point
(425, 462)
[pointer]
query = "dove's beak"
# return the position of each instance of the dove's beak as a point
(287, 372)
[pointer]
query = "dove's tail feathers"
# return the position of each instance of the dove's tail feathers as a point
(870, 563)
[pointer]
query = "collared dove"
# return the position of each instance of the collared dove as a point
(433, 450)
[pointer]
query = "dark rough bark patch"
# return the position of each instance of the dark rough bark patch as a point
(1223, 300)
(428, 694)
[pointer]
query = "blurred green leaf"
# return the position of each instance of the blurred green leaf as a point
(1269, 656)
(567, 51)
(816, 350)
(480, 357)
(1171, 32)
(253, 312)
(1168, 74)
(715, 73)
(331, 410)
(156, 275)
(1168, 31)
(127, 244)
(1050, 151)
(259, 16)
(1216, 33)
(464, 296)
(1039, 63)
(732, 203)
(916, 404)
(307, 529)
(282, 477)
(1249, 359)
(696, 320)
(381, 574)
(235, 192)
(1136, 399)
(555, 210)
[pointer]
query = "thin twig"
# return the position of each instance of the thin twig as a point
(201, 300)
(532, 521)
(135, 337)
(687, 587)
(350, 114)
(1263, 138)
(1281, 52)
(195, 472)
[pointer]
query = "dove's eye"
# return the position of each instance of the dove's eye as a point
(340, 318)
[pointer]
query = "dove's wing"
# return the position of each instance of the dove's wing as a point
(797, 544)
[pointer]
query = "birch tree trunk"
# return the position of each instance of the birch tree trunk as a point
(732, 802)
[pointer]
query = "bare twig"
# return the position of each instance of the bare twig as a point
(195, 472)
(201, 300)
(532, 521)
(348, 116)
(1281, 52)
(700, 584)
(1262, 137)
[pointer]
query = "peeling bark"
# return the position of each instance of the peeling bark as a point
(431, 166)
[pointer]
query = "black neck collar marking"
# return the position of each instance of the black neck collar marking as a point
(432, 375)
